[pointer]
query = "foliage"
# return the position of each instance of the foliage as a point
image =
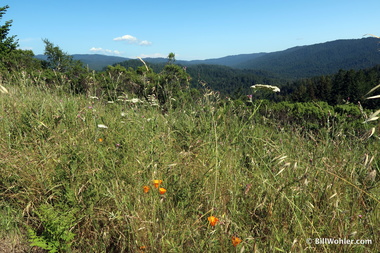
(222, 78)
(56, 58)
(72, 70)
(265, 180)
(317, 117)
(7, 44)
(19, 60)
(132, 159)
(57, 224)
(343, 87)
(171, 58)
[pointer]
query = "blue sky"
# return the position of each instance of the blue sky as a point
(191, 29)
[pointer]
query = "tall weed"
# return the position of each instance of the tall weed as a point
(71, 185)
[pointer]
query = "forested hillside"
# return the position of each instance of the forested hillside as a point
(346, 86)
(320, 59)
(302, 61)
(293, 63)
(341, 87)
(96, 62)
(227, 80)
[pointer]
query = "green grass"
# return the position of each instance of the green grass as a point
(62, 189)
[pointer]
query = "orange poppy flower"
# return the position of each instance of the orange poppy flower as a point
(236, 241)
(146, 188)
(157, 183)
(162, 190)
(213, 220)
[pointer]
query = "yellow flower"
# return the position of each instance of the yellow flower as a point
(100, 140)
(213, 220)
(236, 241)
(157, 183)
(162, 190)
(146, 188)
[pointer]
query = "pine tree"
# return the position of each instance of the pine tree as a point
(7, 44)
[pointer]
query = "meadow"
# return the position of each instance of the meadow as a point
(83, 173)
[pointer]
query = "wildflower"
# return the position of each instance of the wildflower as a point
(100, 140)
(135, 100)
(102, 126)
(371, 176)
(79, 116)
(213, 220)
(265, 86)
(146, 188)
(162, 190)
(247, 188)
(236, 241)
(157, 183)
(3, 89)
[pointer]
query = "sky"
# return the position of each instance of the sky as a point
(193, 30)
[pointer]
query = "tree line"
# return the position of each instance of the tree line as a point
(168, 81)
(346, 86)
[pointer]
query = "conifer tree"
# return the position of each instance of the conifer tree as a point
(7, 43)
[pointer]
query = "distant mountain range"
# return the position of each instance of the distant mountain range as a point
(297, 62)
(93, 61)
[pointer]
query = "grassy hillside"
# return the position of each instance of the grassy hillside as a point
(78, 174)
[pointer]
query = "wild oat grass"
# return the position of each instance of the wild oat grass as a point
(207, 177)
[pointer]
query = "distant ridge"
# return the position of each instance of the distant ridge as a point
(94, 61)
(319, 59)
(98, 61)
(304, 61)
(230, 61)
(297, 62)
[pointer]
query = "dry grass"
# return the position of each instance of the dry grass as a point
(271, 188)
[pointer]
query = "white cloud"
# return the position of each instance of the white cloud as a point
(156, 55)
(145, 43)
(104, 51)
(128, 38)
(96, 49)
(133, 40)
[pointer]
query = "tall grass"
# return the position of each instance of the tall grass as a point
(68, 185)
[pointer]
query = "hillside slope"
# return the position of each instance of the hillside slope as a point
(293, 63)
(319, 59)
(93, 61)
